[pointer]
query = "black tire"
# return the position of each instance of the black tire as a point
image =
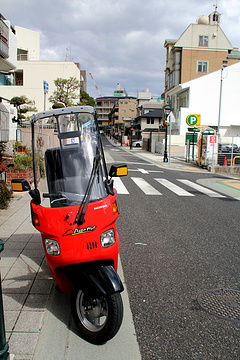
(97, 317)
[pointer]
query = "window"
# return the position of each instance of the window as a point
(203, 40)
(215, 17)
(124, 110)
(150, 121)
(170, 80)
(202, 66)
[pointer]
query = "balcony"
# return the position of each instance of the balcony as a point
(4, 40)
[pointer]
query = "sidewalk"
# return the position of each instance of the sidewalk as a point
(176, 161)
(26, 280)
(38, 320)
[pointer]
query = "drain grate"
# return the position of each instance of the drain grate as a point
(223, 303)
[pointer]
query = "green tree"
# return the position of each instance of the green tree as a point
(65, 92)
(24, 105)
(86, 99)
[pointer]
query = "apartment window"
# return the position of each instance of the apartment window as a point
(124, 110)
(170, 80)
(202, 66)
(203, 40)
(150, 121)
(18, 77)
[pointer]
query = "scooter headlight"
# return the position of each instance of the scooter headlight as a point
(107, 238)
(52, 247)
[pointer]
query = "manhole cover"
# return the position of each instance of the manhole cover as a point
(224, 303)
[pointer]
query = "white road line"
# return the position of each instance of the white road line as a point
(108, 158)
(119, 186)
(174, 188)
(145, 186)
(200, 188)
(143, 171)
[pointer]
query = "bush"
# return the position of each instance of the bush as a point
(19, 146)
(5, 195)
(23, 162)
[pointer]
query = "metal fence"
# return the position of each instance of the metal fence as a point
(229, 151)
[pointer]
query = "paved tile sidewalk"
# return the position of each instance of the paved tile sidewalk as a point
(26, 280)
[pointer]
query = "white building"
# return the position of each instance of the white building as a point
(202, 96)
(29, 76)
(8, 61)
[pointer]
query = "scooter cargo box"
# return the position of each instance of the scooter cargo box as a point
(20, 185)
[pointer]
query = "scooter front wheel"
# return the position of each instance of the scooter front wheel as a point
(97, 317)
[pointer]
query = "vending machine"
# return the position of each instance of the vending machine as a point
(209, 150)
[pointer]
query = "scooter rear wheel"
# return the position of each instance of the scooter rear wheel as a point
(97, 317)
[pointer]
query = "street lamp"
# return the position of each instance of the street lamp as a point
(220, 98)
(167, 111)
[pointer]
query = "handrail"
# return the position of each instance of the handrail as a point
(235, 157)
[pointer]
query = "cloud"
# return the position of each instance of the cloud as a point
(117, 41)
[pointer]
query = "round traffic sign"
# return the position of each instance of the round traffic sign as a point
(193, 120)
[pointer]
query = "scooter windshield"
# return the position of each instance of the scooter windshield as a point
(69, 165)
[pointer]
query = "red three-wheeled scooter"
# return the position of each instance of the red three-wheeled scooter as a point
(77, 219)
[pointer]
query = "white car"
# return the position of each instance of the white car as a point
(137, 143)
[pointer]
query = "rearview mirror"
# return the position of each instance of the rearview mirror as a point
(118, 170)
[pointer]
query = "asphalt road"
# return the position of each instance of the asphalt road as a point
(172, 248)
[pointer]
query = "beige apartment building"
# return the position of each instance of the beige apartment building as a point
(201, 49)
(104, 107)
(123, 112)
(125, 109)
(106, 104)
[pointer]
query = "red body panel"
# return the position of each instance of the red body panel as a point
(78, 243)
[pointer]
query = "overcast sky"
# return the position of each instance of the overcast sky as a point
(118, 41)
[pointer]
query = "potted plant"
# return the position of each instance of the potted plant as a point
(19, 147)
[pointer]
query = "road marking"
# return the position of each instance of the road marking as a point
(200, 188)
(145, 186)
(143, 171)
(119, 186)
(146, 171)
(108, 158)
(174, 188)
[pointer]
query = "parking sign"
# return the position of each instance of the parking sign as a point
(193, 120)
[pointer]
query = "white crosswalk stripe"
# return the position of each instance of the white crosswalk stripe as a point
(143, 171)
(201, 189)
(145, 186)
(119, 186)
(150, 190)
(174, 188)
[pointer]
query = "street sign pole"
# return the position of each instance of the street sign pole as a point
(45, 89)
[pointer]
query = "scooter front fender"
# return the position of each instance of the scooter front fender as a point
(104, 279)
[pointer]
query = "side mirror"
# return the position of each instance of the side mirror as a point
(35, 195)
(20, 185)
(118, 170)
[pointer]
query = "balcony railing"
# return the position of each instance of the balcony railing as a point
(4, 36)
(22, 57)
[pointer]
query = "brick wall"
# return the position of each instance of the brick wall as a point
(22, 174)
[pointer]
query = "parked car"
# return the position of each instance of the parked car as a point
(227, 148)
(137, 143)
(226, 152)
